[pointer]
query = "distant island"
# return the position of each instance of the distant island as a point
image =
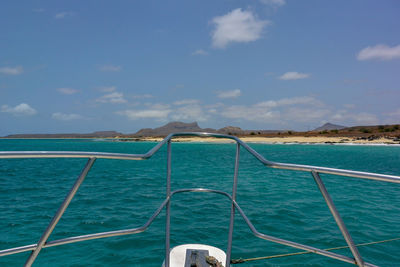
(327, 133)
(171, 127)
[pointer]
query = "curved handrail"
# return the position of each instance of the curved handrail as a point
(152, 151)
(314, 170)
(146, 225)
(80, 238)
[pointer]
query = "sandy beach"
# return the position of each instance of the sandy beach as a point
(280, 140)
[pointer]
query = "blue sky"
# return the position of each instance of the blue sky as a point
(83, 66)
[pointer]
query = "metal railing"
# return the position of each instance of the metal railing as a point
(92, 156)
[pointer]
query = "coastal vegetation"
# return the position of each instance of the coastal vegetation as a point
(363, 133)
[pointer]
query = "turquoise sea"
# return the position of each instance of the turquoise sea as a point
(123, 194)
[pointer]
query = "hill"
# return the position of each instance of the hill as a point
(329, 126)
(174, 127)
(328, 129)
(171, 127)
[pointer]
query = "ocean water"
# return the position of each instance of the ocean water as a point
(123, 194)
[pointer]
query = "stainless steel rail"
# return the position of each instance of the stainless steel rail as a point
(314, 170)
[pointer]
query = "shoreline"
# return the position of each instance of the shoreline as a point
(280, 140)
(246, 139)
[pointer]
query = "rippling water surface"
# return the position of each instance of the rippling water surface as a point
(123, 194)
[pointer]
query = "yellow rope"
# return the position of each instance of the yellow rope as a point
(308, 252)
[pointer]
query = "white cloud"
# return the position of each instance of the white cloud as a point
(110, 68)
(380, 51)
(114, 98)
(189, 111)
(142, 96)
(184, 110)
(395, 113)
(65, 117)
(67, 91)
(249, 113)
(145, 114)
(360, 118)
(301, 100)
(280, 111)
(200, 52)
(392, 117)
(293, 75)
(157, 106)
(62, 15)
(237, 26)
(284, 112)
(305, 114)
(229, 94)
(22, 109)
(186, 102)
(366, 118)
(108, 89)
(11, 71)
(274, 3)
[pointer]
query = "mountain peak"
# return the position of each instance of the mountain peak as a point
(329, 126)
(171, 127)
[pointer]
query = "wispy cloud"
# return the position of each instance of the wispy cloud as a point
(285, 112)
(107, 89)
(67, 91)
(396, 114)
(179, 86)
(184, 110)
(160, 114)
(200, 52)
(380, 52)
(62, 15)
(142, 96)
(229, 94)
(392, 117)
(113, 98)
(282, 111)
(349, 106)
(274, 3)
(22, 109)
(189, 112)
(300, 100)
(293, 75)
(357, 118)
(66, 117)
(11, 70)
(110, 68)
(239, 26)
(186, 102)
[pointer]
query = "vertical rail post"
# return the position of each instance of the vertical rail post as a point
(168, 207)
(338, 219)
(59, 212)
(232, 219)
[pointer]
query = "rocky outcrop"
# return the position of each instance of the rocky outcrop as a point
(171, 127)
(329, 126)
(231, 130)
